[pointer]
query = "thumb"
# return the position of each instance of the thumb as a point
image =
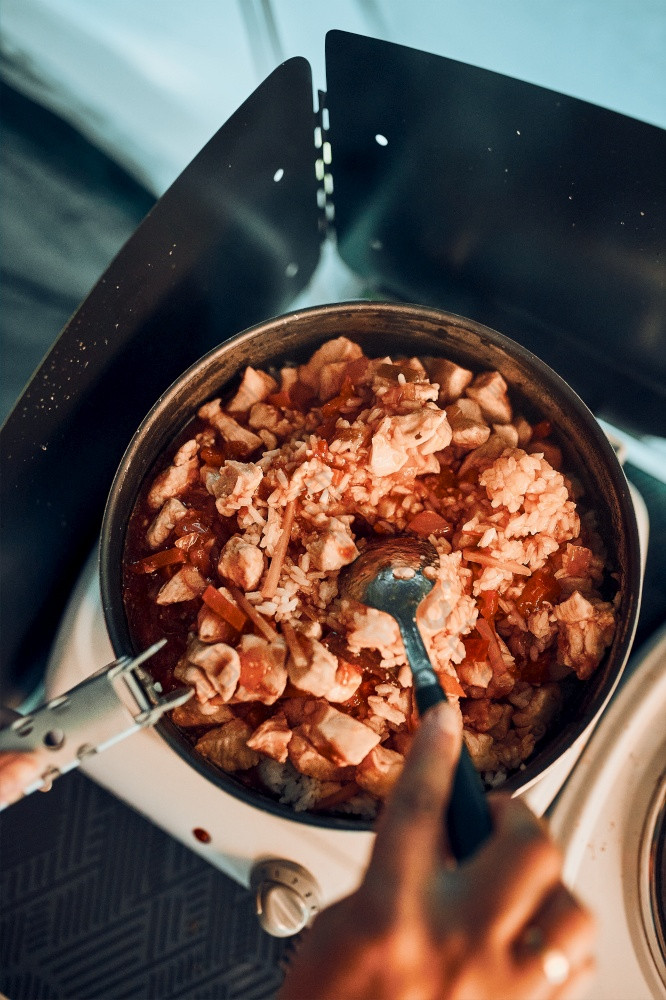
(410, 828)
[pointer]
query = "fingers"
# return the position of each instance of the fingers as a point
(561, 927)
(410, 829)
(514, 871)
(17, 771)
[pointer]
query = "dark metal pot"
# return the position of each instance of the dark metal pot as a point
(386, 328)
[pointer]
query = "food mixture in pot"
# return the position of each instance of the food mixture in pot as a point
(234, 550)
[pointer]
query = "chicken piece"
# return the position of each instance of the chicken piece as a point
(514, 748)
(523, 430)
(272, 738)
(184, 585)
(340, 349)
(227, 746)
(586, 629)
(347, 681)
(490, 391)
(540, 711)
(254, 388)
(213, 670)
(212, 628)
(333, 547)
(174, 480)
(288, 378)
(380, 707)
(483, 455)
(331, 378)
(307, 759)
(340, 738)
(264, 416)
(372, 629)
(242, 563)
(482, 715)
(171, 513)
(451, 378)
(482, 750)
(508, 433)
(244, 442)
(425, 430)
(378, 772)
(234, 486)
(196, 713)
(263, 675)
(467, 424)
(476, 674)
(317, 675)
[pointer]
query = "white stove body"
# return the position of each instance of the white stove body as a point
(148, 775)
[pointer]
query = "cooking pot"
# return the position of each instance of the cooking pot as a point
(397, 330)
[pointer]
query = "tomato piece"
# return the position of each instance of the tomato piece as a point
(429, 523)
(224, 608)
(451, 685)
(542, 430)
(541, 586)
(476, 648)
(165, 558)
(213, 456)
(338, 402)
(488, 604)
(281, 399)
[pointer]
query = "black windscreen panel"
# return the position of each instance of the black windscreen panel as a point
(534, 212)
(230, 243)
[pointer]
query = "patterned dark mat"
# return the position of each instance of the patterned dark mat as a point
(96, 903)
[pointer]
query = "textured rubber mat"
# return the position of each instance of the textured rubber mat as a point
(96, 903)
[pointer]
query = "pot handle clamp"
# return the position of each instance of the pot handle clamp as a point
(110, 705)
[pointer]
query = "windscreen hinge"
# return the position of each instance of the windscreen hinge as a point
(323, 169)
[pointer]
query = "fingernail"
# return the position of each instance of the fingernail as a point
(443, 718)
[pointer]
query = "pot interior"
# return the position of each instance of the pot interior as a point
(397, 330)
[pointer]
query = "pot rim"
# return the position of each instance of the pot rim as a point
(116, 517)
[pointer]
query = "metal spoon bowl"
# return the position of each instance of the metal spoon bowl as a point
(395, 575)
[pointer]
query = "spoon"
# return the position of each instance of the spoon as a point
(395, 575)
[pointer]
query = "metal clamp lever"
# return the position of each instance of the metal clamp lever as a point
(90, 718)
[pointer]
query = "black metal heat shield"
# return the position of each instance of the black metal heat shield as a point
(216, 254)
(535, 213)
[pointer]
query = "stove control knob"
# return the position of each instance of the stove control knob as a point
(286, 896)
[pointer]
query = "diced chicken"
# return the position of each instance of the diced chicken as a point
(586, 629)
(542, 708)
(171, 513)
(490, 391)
(263, 675)
(213, 670)
(476, 674)
(451, 378)
(333, 547)
(467, 424)
(196, 713)
(184, 585)
(347, 681)
(425, 430)
(307, 759)
(482, 750)
(264, 416)
(317, 675)
(242, 563)
(508, 433)
(183, 472)
(235, 485)
(340, 349)
(243, 441)
(331, 378)
(340, 738)
(483, 455)
(523, 429)
(378, 772)
(380, 706)
(254, 388)
(212, 628)
(272, 737)
(288, 378)
(481, 714)
(227, 746)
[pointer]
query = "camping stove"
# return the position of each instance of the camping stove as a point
(293, 867)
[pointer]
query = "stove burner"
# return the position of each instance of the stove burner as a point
(653, 877)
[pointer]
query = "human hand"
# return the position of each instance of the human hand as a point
(501, 925)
